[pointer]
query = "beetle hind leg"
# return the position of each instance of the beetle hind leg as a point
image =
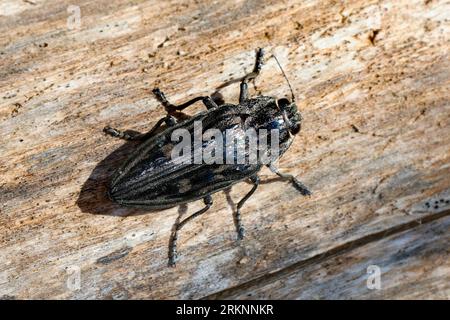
(173, 241)
(237, 217)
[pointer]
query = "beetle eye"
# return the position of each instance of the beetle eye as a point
(283, 103)
(296, 128)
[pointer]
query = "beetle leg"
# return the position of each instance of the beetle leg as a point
(237, 218)
(243, 95)
(173, 241)
(297, 184)
(207, 101)
(168, 120)
(132, 135)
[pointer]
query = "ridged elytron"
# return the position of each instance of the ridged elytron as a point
(150, 178)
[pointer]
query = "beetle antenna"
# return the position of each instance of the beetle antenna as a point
(284, 75)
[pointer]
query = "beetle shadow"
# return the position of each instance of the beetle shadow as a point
(93, 196)
(233, 204)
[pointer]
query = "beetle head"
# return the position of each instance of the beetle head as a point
(290, 114)
(289, 109)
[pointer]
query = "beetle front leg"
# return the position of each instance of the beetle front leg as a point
(237, 218)
(297, 184)
(133, 136)
(173, 241)
(243, 95)
(170, 108)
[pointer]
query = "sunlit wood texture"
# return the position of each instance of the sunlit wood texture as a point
(372, 80)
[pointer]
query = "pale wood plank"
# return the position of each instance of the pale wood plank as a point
(411, 264)
(374, 146)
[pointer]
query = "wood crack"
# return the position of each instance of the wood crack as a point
(344, 248)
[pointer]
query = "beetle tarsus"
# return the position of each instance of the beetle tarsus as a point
(241, 233)
(297, 184)
(301, 187)
(173, 255)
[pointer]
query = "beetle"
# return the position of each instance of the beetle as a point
(151, 179)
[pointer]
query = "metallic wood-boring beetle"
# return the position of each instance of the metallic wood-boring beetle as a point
(151, 179)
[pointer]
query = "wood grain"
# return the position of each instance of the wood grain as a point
(411, 264)
(372, 80)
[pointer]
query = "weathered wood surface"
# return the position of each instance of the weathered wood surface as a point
(372, 79)
(412, 264)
